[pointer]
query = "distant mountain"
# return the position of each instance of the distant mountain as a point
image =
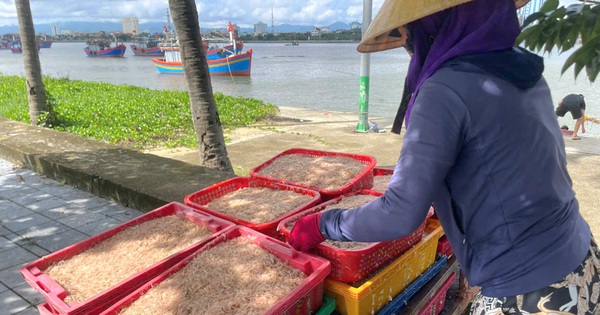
(339, 26)
(156, 27)
(288, 28)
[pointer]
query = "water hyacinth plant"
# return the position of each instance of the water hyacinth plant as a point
(134, 117)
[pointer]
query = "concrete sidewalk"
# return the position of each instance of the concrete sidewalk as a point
(39, 215)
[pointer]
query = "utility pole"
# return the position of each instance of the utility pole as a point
(365, 64)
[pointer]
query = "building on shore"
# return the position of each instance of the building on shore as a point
(260, 28)
(131, 25)
(55, 30)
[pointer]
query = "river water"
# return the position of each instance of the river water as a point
(310, 75)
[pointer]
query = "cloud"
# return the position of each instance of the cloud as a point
(212, 13)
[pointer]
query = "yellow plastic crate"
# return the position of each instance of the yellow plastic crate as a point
(379, 290)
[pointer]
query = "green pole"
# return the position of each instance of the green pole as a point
(363, 105)
(365, 59)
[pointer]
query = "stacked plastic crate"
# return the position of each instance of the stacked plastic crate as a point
(56, 294)
(364, 280)
(435, 304)
(306, 297)
(361, 281)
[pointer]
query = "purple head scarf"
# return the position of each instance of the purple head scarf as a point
(478, 26)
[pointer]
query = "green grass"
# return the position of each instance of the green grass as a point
(135, 117)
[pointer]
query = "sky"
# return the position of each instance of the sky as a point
(213, 13)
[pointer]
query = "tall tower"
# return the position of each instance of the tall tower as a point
(272, 24)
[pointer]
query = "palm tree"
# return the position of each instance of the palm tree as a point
(209, 132)
(36, 93)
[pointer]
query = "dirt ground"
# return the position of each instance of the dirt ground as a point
(585, 172)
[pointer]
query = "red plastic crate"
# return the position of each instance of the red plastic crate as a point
(200, 199)
(363, 180)
(55, 294)
(304, 299)
(436, 304)
(351, 265)
(380, 172)
(444, 247)
(389, 171)
(45, 309)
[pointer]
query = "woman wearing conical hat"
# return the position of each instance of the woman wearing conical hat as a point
(482, 144)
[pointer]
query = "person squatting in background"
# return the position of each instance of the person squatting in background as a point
(503, 195)
(574, 103)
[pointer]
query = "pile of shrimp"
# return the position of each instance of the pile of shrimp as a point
(259, 204)
(124, 254)
(323, 172)
(235, 277)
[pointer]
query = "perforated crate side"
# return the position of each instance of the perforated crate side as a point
(355, 265)
(351, 265)
(436, 304)
(401, 300)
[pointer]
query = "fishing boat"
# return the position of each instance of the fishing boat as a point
(4, 44)
(102, 48)
(16, 47)
(218, 52)
(146, 47)
(45, 44)
(234, 65)
(223, 61)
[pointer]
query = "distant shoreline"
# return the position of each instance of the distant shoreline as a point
(251, 41)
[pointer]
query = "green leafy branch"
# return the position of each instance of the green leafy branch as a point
(562, 28)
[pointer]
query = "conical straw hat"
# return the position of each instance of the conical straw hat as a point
(396, 13)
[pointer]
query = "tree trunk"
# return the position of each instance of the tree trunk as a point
(209, 132)
(36, 94)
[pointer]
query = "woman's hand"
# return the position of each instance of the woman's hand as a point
(306, 234)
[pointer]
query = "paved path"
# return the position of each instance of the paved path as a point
(39, 216)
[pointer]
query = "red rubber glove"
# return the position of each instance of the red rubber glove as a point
(306, 234)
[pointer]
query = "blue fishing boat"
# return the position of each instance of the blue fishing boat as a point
(238, 65)
(218, 52)
(102, 48)
(45, 44)
(16, 48)
(222, 61)
(146, 47)
(4, 44)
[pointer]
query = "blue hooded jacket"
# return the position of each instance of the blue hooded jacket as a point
(484, 146)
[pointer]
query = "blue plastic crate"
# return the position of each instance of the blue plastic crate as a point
(401, 300)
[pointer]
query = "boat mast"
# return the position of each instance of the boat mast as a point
(231, 29)
(168, 19)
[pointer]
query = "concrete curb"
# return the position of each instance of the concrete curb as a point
(131, 178)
